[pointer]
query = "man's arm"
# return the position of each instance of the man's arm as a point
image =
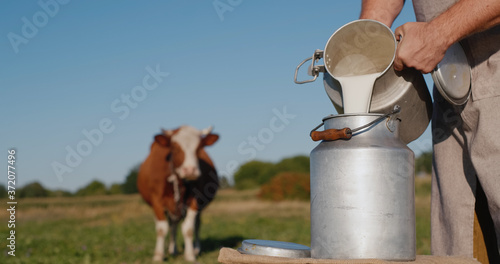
(384, 11)
(424, 44)
(467, 17)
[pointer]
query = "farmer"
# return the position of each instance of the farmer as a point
(466, 139)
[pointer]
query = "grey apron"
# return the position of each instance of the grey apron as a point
(466, 143)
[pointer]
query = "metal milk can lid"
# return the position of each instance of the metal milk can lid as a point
(274, 248)
(452, 76)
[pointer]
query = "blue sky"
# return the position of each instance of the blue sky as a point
(73, 77)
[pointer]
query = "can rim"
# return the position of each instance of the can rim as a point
(328, 117)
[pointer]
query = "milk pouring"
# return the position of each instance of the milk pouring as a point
(356, 88)
(362, 186)
(357, 92)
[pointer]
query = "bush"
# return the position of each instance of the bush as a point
(424, 163)
(3, 191)
(34, 189)
(115, 188)
(287, 186)
(295, 164)
(94, 188)
(253, 174)
(130, 184)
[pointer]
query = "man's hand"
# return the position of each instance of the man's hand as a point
(420, 47)
(423, 45)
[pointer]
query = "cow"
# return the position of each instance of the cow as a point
(178, 179)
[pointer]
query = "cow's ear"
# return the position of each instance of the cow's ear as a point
(162, 140)
(210, 139)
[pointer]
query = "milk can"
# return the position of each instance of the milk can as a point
(362, 190)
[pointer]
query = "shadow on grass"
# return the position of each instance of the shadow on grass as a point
(212, 244)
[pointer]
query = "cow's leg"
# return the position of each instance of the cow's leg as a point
(172, 245)
(161, 232)
(188, 231)
(197, 244)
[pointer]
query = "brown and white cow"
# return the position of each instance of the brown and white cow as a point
(178, 180)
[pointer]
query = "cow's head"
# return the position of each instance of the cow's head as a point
(185, 143)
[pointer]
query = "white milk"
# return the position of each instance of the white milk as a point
(356, 74)
(357, 92)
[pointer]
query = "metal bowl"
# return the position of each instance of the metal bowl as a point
(274, 248)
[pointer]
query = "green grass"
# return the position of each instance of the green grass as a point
(120, 228)
(423, 215)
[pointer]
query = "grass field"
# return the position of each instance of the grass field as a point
(120, 228)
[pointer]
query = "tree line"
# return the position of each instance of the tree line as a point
(288, 178)
(36, 189)
(95, 187)
(255, 173)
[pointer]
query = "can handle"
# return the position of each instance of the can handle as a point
(314, 69)
(331, 134)
(346, 133)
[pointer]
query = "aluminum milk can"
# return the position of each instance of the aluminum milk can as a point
(362, 190)
(374, 40)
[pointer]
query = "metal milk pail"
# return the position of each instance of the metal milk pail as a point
(375, 41)
(362, 192)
